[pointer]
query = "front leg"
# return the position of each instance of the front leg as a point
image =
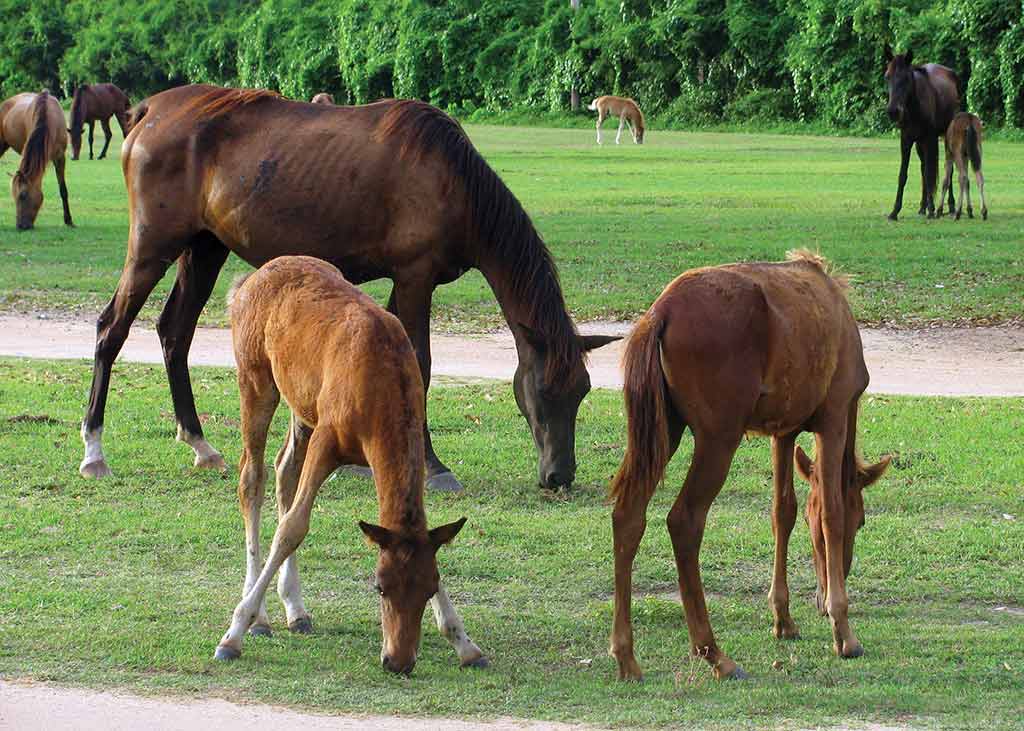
(58, 167)
(410, 303)
(91, 129)
(618, 135)
(449, 624)
(922, 158)
(105, 124)
(783, 519)
(905, 144)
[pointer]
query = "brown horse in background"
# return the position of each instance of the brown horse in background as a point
(765, 348)
(97, 103)
(392, 189)
(963, 143)
(323, 98)
(350, 377)
(33, 124)
(922, 101)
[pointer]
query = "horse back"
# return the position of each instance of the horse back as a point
(18, 120)
(941, 94)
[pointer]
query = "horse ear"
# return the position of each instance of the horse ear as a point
(869, 474)
(888, 52)
(590, 342)
(376, 534)
(804, 466)
(445, 533)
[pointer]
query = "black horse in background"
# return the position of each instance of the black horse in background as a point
(923, 101)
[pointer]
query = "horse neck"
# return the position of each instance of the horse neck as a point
(398, 474)
(78, 109)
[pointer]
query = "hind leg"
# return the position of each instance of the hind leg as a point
(962, 180)
(289, 468)
(105, 124)
(980, 180)
(92, 126)
(712, 456)
(947, 184)
(622, 121)
(322, 458)
(58, 168)
(600, 121)
(198, 268)
(783, 519)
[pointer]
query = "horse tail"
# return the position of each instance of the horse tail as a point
(233, 290)
(35, 155)
(647, 449)
(592, 106)
(973, 146)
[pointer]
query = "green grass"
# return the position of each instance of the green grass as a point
(130, 582)
(623, 221)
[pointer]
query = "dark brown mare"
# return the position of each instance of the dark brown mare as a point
(922, 101)
(963, 144)
(33, 124)
(350, 377)
(392, 189)
(765, 348)
(97, 103)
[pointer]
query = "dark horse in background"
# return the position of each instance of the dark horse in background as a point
(922, 101)
(392, 189)
(96, 103)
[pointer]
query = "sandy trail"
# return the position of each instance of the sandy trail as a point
(985, 361)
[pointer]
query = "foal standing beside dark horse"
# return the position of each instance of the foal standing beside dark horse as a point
(922, 101)
(392, 189)
(96, 103)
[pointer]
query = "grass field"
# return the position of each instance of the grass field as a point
(130, 582)
(623, 221)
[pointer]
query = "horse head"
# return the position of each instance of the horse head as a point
(899, 76)
(406, 578)
(28, 199)
(551, 408)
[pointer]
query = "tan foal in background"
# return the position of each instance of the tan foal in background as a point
(625, 109)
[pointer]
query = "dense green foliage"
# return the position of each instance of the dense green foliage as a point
(687, 61)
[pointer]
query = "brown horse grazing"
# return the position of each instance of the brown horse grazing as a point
(392, 189)
(765, 348)
(922, 101)
(350, 377)
(323, 98)
(963, 143)
(97, 103)
(33, 124)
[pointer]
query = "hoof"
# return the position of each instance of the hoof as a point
(444, 482)
(261, 630)
(226, 654)
(480, 662)
(786, 632)
(301, 626)
(211, 462)
(851, 651)
(893, 217)
(737, 674)
(95, 469)
(630, 671)
(984, 214)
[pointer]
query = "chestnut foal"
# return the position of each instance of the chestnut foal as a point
(350, 377)
(765, 348)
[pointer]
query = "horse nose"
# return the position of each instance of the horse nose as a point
(392, 667)
(895, 113)
(557, 477)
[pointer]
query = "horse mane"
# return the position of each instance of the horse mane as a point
(34, 155)
(219, 101)
(498, 220)
(827, 268)
(77, 104)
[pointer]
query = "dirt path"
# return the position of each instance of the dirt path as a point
(986, 361)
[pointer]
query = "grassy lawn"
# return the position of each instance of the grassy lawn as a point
(130, 582)
(623, 221)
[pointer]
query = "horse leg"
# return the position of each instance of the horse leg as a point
(258, 399)
(947, 184)
(449, 624)
(965, 189)
(905, 144)
(600, 121)
(783, 519)
(980, 180)
(58, 168)
(831, 445)
(629, 521)
(140, 275)
(198, 268)
(91, 126)
(122, 122)
(321, 460)
(410, 303)
(712, 456)
(289, 468)
(922, 158)
(932, 173)
(105, 124)
(622, 121)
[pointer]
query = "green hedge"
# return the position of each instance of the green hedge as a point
(687, 62)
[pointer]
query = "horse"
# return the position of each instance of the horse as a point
(922, 101)
(391, 189)
(92, 103)
(351, 380)
(625, 109)
(963, 143)
(323, 98)
(767, 348)
(33, 124)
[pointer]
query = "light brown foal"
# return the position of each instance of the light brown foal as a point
(350, 377)
(765, 348)
(963, 143)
